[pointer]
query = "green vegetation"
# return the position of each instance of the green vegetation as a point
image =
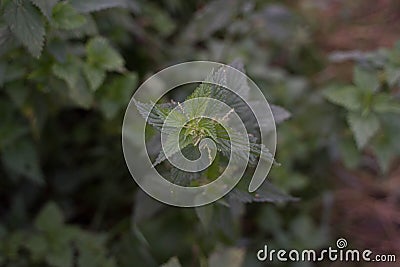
(67, 72)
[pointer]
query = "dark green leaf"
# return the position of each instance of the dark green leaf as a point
(267, 192)
(21, 157)
(46, 6)
(173, 262)
(211, 18)
(61, 257)
(96, 5)
(37, 246)
(50, 218)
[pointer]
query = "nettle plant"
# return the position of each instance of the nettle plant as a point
(372, 106)
(53, 58)
(199, 128)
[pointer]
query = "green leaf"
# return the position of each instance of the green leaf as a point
(26, 23)
(70, 72)
(61, 257)
(116, 94)
(363, 127)
(212, 17)
(18, 92)
(96, 5)
(145, 207)
(81, 95)
(21, 157)
(101, 54)
(205, 214)
(182, 178)
(280, 114)
(94, 76)
(49, 219)
(160, 19)
(387, 147)
(156, 115)
(349, 152)
(366, 80)
(232, 257)
(385, 103)
(348, 97)
(92, 252)
(267, 192)
(7, 40)
(392, 74)
(46, 6)
(173, 262)
(37, 246)
(66, 17)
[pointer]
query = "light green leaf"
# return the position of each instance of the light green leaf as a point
(79, 92)
(348, 97)
(385, 103)
(46, 6)
(66, 17)
(392, 74)
(81, 95)
(26, 23)
(69, 72)
(101, 54)
(366, 80)
(205, 214)
(50, 218)
(21, 157)
(87, 6)
(232, 257)
(363, 127)
(116, 94)
(94, 76)
(173, 262)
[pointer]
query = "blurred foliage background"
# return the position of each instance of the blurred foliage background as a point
(69, 68)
